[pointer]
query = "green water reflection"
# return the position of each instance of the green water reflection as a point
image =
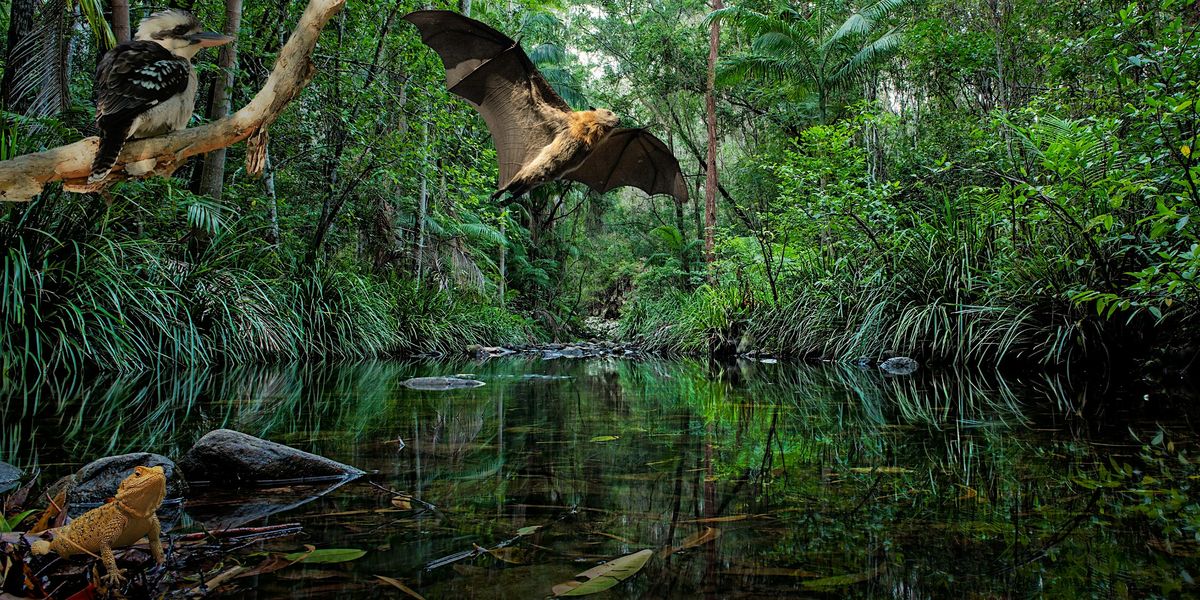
(814, 481)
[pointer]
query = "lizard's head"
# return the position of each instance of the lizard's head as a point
(144, 489)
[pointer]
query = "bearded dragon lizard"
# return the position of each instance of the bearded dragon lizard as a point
(129, 517)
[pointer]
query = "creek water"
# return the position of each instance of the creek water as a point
(747, 480)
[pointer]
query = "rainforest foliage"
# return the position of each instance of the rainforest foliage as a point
(967, 182)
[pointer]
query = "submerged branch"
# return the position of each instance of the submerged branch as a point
(24, 177)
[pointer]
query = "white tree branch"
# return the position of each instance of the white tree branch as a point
(23, 177)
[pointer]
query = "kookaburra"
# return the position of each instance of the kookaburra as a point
(147, 86)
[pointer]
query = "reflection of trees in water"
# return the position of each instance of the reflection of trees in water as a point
(966, 478)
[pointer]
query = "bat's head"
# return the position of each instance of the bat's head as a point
(178, 31)
(607, 118)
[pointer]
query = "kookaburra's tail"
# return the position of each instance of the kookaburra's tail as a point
(112, 139)
(40, 547)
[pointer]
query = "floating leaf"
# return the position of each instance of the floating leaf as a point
(402, 501)
(600, 578)
(532, 529)
(605, 438)
(697, 539)
(400, 586)
(326, 556)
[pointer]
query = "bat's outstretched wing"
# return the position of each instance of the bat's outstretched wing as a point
(495, 75)
(631, 157)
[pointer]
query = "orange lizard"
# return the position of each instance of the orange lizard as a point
(125, 520)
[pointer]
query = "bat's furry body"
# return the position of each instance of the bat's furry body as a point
(538, 137)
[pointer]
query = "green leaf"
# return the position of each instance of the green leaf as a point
(604, 576)
(327, 555)
(605, 438)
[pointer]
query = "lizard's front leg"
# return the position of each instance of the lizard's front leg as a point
(113, 575)
(107, 536)
(155, 537)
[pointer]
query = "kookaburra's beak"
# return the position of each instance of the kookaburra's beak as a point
(208, 39)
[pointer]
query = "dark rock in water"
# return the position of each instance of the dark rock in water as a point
(572, 352)
(10, 476)
(551, 355)
(476, 351)
(440, 383)
(864, 362)
(97, 481)
(899, 365)
(230, 456)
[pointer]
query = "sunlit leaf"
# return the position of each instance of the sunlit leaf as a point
(530, 530)
(604, 576)
(326, 555)
(605, 438)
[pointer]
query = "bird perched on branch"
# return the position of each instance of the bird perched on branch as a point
(147, 86)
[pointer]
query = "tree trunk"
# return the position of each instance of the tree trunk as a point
(120, 20)
(422, 203)
(19, 25)
(503, 258)
(272, 202)
(710, 101)
(464, 7)
(213, 183)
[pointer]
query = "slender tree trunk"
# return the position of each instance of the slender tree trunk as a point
(272, 202)
(710, 101)
(20, 24)
(503, 259)
(120, 20)
(213, 182)
(422, 203)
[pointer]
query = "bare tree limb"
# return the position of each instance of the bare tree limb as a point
(24, 177)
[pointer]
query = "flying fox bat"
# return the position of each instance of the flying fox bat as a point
(538, 137)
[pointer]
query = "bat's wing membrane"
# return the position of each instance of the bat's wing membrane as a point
(631, 157)
(495, 75)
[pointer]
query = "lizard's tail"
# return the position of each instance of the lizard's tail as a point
(40, 547)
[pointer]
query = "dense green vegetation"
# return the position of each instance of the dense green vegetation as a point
(970, 182)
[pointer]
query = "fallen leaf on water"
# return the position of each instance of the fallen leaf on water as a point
(727, 519)
(600, 578)
(769, 572)
(699, 538)
(605, 438)
(400, 586)
(532, 529)
(402, 501)
(326, 555)
(511, 555)
(838, 581)
(884, 470)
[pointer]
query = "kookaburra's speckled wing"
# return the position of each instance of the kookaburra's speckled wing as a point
(136, 76)
(538, 136)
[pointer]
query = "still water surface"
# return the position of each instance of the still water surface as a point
(748, 480)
